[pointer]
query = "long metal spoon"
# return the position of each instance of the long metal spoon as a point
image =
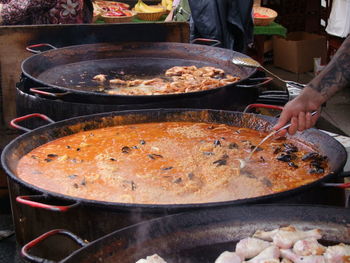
(249, 62)
(244, 162)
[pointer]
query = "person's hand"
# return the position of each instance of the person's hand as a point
(298, 112)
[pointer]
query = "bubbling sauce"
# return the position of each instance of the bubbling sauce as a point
(170, 163)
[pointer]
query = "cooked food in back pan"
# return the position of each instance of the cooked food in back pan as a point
(177, 79)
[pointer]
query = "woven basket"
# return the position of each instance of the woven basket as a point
(118, 19)
(150, 16)
(264, 21)
(101, 3)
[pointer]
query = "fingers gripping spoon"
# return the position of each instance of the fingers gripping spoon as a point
(244, 162)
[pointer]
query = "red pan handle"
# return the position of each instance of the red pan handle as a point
(35, 51)
(24, 251)
(266, 106)
(14, 124)
(32, 201)
(337, 185)
(43, 92)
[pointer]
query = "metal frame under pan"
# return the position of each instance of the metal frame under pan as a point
(71, 62)
(116, 215)
(203, 235)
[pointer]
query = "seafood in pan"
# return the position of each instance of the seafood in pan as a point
(179, 79)
(282, 245)
(170, 163)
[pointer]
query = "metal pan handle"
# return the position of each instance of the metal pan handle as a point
(256, 82)
(32, 49)
(206, 41)
(33, 201)
(339, 185)
(25, 249)
(43, 92)
(14, 124)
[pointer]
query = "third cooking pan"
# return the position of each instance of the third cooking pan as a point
(202, 236)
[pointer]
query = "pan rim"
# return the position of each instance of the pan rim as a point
(104, 95)
(158, 207)
(208, 217)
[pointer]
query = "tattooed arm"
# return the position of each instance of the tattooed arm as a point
(334, 77)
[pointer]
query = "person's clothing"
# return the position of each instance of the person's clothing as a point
(182, 12)
(14, 12)
(339, 19)
(229, 21)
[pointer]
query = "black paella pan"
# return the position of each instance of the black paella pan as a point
(14, 151)
(202, 236)
(117, 215)
(70, 70)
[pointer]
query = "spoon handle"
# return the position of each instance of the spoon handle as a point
(289, 124)
(272, 74)
(272, 134)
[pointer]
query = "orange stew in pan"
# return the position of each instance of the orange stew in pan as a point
(170, 163)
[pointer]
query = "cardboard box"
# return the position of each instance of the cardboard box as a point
(297, 51)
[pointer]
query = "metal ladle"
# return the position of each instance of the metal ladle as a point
(249, 62)
(244, 162)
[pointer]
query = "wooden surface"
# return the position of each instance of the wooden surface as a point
(14, 40)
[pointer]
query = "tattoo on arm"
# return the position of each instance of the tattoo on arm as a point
(336, 75)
